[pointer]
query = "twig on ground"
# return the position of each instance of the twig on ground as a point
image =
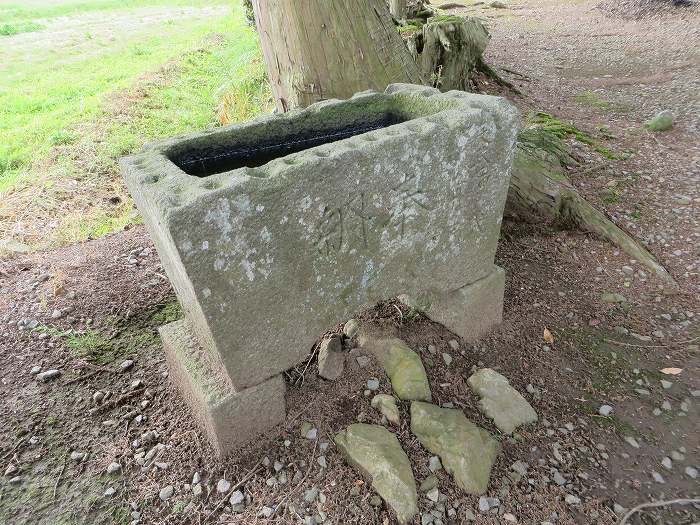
(114, 404)
(245, 478)
(310, 463)
(620, 343)
(680, 501)
(81, 378)
(58, 480)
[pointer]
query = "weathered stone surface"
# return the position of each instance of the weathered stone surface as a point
(10, 246)
(378, 455)
(386, 404)
(467, 451)
(230, 418)
(273, 230)
(470, 311)
(500, 401)
(403, 366)
(331, 358)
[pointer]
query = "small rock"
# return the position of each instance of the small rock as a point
(237, 498)
(433, 495)
(429, 483)
(691, 472)
(16, 480)
(126, 365)
(48, 375)
(454, 344)
(613, 298)
(559, 479)
(632, 441)
(113, 468)
(386, 404)
(666, 384)
(510, 517)
(321, 460)
(373, 384)
(520, 467)
(605, 410)
(351, 328)
(311, 495)
(223, 486)
(667, 463)
(197, 490)
(12, 246)
(570, 499)
(77, 456)
(498, 4)
(501, 402)
(166, 493)
(662, 121)
(331, 359)
(110, 492)
(484, 505)
(657, 477)
(35, 370)
(267, 512)
(434, 464)
(447, 358)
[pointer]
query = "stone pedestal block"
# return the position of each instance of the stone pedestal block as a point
(273, 230)
(229, 418)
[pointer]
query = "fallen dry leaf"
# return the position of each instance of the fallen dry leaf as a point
(547, 336)
(671, 371)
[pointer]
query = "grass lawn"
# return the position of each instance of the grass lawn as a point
(96, 79)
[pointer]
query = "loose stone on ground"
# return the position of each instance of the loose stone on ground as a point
(403, 366)
(386, 404)
(500, 401)
(466, 451)
(378, 455)
(331, 358)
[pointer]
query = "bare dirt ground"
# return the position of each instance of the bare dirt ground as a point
(87, 308)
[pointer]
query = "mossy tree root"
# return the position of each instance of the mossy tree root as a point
(540, 191)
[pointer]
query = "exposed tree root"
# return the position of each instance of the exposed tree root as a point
(539, 190)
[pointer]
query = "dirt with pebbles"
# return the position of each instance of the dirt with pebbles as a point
(111, 294)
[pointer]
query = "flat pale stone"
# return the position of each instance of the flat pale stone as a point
(331, 358)
(467, 452)
(386, 404)
(378, 455)
(500, 401)
(403, 366)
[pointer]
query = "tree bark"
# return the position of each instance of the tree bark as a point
(319, 49)
(448, 50)
(397, 8)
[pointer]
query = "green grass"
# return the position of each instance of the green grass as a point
(9, 29)
(68, 114)
(120, 338)
(43, 98)
(591, 98)
(41, 9)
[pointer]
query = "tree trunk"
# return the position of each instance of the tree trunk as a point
(319, 49)
(448, 50)
(398, 9)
